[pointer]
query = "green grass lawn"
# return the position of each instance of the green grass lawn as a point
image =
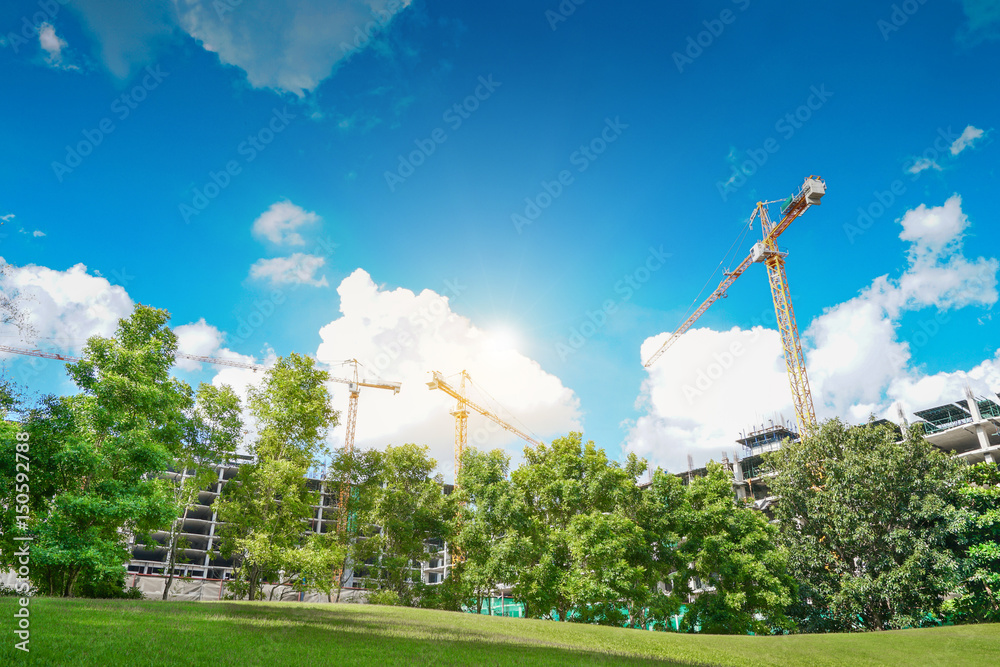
(114, 632)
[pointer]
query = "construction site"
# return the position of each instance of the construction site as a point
(967, 428)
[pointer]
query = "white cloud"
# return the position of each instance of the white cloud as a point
(708, 387)
(37, 233)
(7, 217)
(298, 269)
(969, 136)
(287, 46)
(923, 164)
(279, 223)
(204, 340)
(52, 44)
(857, 363)
(65, 306)
(402, 336)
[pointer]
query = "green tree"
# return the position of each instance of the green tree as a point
(214, 430)
(575, 535)
(979, 601)
(95, 458)
(267, 508)
(486, 505)
(729, 550)
(868, 522)
(409, 509)
(361, 472)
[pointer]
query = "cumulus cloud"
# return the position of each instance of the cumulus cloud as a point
(856, 361)
(400, 335)
(298, 269)
(708, 387)
(279, 223)
(969, 137)
(65, 306)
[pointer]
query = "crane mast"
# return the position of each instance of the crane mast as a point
(354, 385)
(766, 251)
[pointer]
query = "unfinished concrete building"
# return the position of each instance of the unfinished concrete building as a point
(200, 530)
(968, 429)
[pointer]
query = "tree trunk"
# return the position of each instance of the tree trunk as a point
(171, 559)
(340, 575)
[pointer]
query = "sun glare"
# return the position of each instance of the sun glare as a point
(501, 339)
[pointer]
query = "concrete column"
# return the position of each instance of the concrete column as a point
(978, 423)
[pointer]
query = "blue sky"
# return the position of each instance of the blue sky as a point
(645, 109)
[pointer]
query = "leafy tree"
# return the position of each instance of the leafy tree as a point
(730, 549)
(213, 433)
(94, 457)
(268, 506)
(362, 471)
(868, 522)
(409, 510)
(980, 547)
(577, 543)
(487, 504)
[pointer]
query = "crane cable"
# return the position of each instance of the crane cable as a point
(739, 241)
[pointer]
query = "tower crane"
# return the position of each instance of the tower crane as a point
(766, 251)
(354, 388)
(461, 414)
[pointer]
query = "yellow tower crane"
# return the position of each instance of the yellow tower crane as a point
(354, 385)
(461, 414)
(766, 251)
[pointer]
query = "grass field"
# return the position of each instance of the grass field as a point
(106, 632)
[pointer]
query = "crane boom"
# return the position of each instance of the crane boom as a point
(179, 355)
(766, 251)
(461, 416)
(719, 292)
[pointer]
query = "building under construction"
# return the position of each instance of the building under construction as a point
(968, 429)
(200, 535)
